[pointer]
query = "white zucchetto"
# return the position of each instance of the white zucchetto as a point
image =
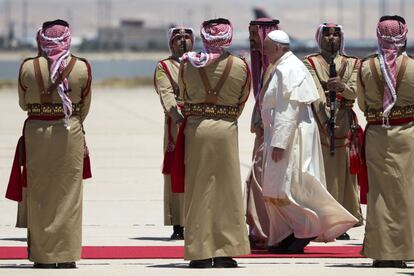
(279, 36)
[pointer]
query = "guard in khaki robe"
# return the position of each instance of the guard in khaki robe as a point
(385, 95)
(256, 214)
(180, 40)
(214, 86)
(54, 89)
(341, 183)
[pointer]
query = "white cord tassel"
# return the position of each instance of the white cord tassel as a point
(63, 87)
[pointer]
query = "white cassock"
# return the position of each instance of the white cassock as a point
(294, 188)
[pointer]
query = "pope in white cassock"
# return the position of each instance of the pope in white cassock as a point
(299, 206)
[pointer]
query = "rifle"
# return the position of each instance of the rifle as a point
(183, 44)
(332, 107)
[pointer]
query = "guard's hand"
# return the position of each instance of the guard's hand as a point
(335, 84)
(277, 154)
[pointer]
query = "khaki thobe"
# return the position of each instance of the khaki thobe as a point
(389, 231)
(21, 221)
(215, 222)
(341, 184)
(256, 214)
(54, 162)
(165, 87)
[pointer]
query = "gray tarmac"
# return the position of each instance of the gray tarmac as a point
(123, 202)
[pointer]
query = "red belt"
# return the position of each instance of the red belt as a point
(45, 117)
(392, 122)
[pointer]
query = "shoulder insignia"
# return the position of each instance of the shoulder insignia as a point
(349, 56)
(159, 75)
(80, 58)
(242, 57)
(166, 59)
(312, 55)
(29, 58)
(370, 56)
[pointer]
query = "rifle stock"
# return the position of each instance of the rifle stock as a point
(183, 44)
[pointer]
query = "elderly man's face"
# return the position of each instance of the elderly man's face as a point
(272, 49)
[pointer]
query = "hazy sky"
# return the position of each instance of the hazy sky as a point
(298, 17)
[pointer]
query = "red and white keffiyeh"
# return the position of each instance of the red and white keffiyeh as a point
(54, 42)
(392, 35)
(216, 36)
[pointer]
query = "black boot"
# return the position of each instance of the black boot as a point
(178, 233)
(344, 237)
(291, 245)
(66, 265)
(40, 265)
(394, 264)
(205, 263)
(224, 262)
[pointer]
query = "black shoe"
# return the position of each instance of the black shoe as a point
(224, 262)
(286, 242)
(277, 249)
(40, 265)
(178, 233)
(344, 237)
(395, 264)
(206, 263)
(298, 246)
(283, 246)
(66, 265)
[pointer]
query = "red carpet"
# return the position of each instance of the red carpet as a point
(177, 252)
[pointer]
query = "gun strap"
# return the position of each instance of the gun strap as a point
(212, 93)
